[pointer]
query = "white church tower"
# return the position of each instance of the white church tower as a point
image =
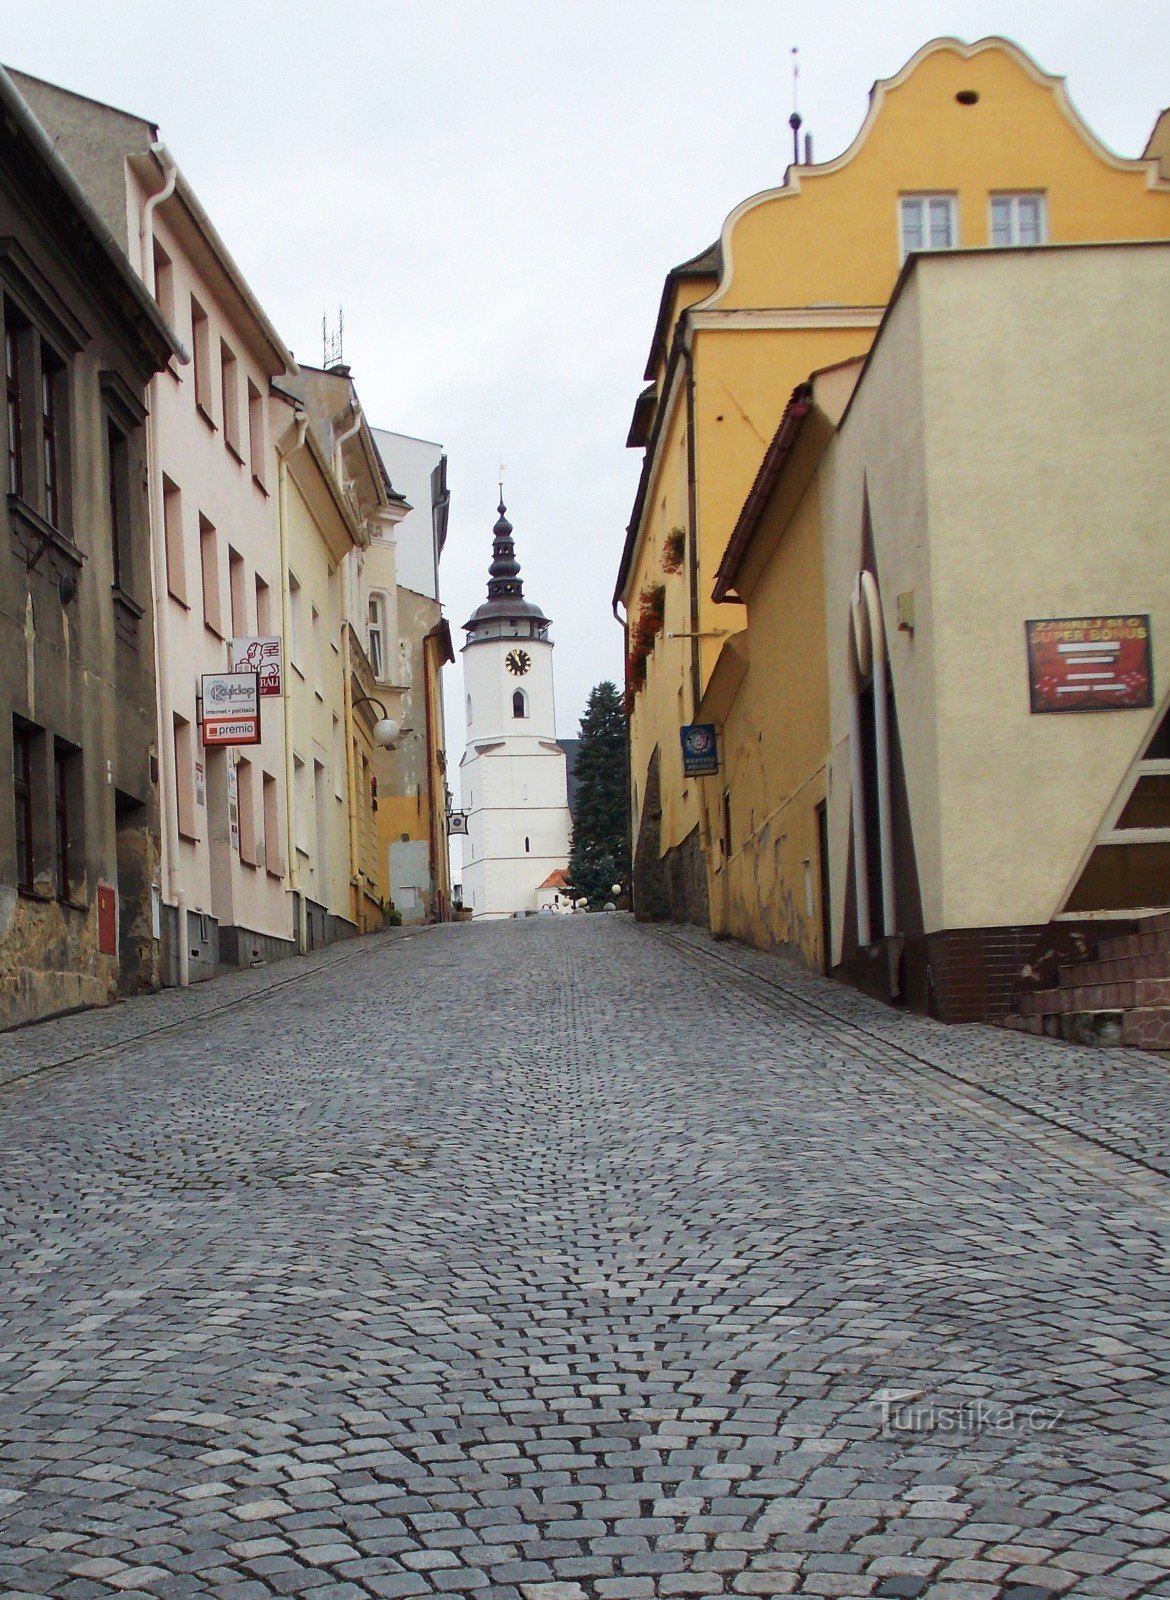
(513, 775)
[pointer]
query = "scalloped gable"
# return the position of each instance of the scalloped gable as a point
(1023, 133)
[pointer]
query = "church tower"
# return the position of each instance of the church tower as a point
(513, 773)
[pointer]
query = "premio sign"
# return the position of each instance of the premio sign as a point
(231, 708)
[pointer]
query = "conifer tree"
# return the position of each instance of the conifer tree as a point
(601, 846)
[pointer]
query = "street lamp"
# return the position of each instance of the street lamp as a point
(386, 731)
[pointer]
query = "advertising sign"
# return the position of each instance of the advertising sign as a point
(1090, 663)
(457, 822)
(262, 655)
(231, 708)
(700, 749)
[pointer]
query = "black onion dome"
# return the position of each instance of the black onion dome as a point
(505, 586)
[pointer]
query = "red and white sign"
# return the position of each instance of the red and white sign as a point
(1090, 663)
(262, 655)
(231, 708)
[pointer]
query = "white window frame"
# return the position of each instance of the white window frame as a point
(376, 629)
(924, 202)
(1013, 198)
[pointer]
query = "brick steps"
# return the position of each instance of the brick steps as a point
(1119, 994)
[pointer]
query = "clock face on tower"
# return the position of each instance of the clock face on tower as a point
(517, 662)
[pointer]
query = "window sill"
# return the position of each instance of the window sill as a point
(234, 451)
(42, 896)
(297, 670)
(73, 905)
(35, 535)
(190, 838)
(276, 873)
(318, 695)
(261, 485)
(126, 602)
(179, 600)
(212, 629)
(207, 417)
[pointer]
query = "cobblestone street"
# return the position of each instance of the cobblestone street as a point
(567, 1258)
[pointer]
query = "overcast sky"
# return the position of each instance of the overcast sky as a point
(494, 190)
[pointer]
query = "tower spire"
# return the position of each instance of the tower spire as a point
(504, 581)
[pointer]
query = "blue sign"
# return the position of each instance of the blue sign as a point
(700, 749)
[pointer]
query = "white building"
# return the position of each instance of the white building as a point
(513, 771)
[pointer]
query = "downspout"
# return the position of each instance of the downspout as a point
(355, 902)
(881, 720)
(301, 420)
(433, 830)
(168, 776)
(692, 531)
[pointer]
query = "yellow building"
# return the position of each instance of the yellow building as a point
(967, 146)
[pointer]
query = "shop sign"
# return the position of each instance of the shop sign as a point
(1090, 663)
(231, 708)
(700, 749)
(456, 822)
(260, 654)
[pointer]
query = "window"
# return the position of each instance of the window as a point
(67, 813)
(928, 222)
(24, 738)
(519, 704)
(527, 845)
(296, 621)
(376, 635)
(273, 860)
(246, 808)
(263, 606)
(315, 641)
(256, 434)
(164, 283)
(229, 387)
(469, 711)
(52, 447)
(338, 760)
(173, 540)
(201, 349)
(725, 825)
(209, 566)
(13, 342)
(118, 475)
(237, 592)
(302, 805)
(184, 737)
(1017, 219)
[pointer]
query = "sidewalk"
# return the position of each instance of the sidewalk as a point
(1118, 1098)
(59, 1040)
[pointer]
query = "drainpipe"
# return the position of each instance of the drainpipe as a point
(351, 785)
(301, 420)
(692, 531)
(433, 829)
(168, 776)
(881, 720)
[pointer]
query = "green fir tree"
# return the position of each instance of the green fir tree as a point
(601, 841)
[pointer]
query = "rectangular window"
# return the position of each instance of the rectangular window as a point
(263, 606)
(118, 487)
(338, 760)
(317, 662)
(13, 371)
(24, 738)
(229, 383)
(302, 805)
(209, 566)
(376, 636)
(246, 805)
(928, 222)
(201, 352)
(173, 538)
(237, 591)
(164, 283)
(296, 622)
(67, 817)
(53, 407)
(1017, 219)
(273, 856)
(257, 436)
(184, 737)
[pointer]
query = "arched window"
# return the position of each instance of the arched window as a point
(527, 845)
(469, 711)
(519, 703)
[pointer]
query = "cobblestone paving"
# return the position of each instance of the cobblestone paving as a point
(562, 1259)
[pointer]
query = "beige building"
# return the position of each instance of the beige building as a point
(413, 796)
(217, 566)
(977, 535)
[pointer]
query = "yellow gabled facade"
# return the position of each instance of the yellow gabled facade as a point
(798, 282)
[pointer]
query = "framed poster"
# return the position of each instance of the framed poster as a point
(1090, 663)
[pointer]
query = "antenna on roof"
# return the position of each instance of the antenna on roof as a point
(332, 343)
(795, 119)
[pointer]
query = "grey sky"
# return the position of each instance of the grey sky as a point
(494, 189)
